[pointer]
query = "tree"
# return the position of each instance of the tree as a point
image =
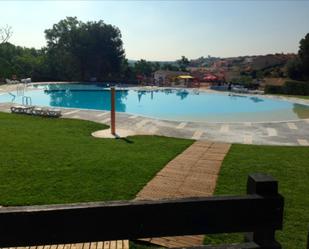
(304, 55)
(294, 69)
(80, 51)
(126, 71)
(23, 62)
(145, 68)
(243, 80)
(183, 63)
(5, 34)
(169, 66)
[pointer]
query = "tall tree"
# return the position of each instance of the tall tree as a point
(81, 50)
(146, 68)
(295, 69)
(183, 63)
(170, 67)
(304, 55)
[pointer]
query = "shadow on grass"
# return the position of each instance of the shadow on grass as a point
(126, 140)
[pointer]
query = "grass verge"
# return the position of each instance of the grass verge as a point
(292, 96)
(47, 161)
(290, 166)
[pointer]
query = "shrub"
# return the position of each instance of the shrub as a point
(296, 87)
(273, 89)
(294, 69)
(289, 87)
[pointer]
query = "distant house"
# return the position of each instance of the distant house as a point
(166, 77)
(248, 59)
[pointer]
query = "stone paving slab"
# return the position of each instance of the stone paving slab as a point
(193, 173)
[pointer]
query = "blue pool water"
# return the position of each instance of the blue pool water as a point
(169, 104)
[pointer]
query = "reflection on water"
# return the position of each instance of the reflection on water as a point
(256, 99)
(182, 93)
(13, 97)
(140, 94)
(301, 111)
(72, 86)
(168, 91)
(171, 104)
(236, 96)
(87, 99)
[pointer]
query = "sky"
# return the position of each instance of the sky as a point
(166, 30)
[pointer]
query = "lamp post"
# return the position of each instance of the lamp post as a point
(113, 117)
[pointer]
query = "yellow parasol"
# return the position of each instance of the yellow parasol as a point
(185, 77)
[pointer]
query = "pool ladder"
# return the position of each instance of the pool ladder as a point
(20, 90)
(26, 100)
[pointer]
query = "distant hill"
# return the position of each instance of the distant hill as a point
(132, 62)
(257, 62)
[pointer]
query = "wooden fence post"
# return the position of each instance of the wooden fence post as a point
(266, 186)
(308, 240)
(113, 119)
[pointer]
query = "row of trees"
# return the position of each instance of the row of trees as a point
(146, 68)
(76, 51)
(20, 61)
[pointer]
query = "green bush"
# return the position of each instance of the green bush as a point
(296, 87)
(273, 89)
(290, 88)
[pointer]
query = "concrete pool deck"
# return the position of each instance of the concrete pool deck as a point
(289, 133)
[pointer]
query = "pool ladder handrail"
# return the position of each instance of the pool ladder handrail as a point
(20, 90)
(26, 100)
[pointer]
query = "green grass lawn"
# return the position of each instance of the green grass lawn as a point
(46, 161)
(298, 96)
(290, 166)
(292, 96)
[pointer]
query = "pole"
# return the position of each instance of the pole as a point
(113, 119)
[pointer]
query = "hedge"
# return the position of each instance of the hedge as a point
(273, 89)
(296, 87)
(289, 87)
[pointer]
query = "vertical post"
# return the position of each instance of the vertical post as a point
(113, 119)
(308, 240)
(266, 186)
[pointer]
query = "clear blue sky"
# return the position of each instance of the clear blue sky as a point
(165, 30)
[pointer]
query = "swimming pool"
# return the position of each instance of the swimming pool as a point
(168, 104)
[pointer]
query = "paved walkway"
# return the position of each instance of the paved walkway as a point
(193, 173)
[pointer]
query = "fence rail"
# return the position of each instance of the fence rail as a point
(259, 214)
